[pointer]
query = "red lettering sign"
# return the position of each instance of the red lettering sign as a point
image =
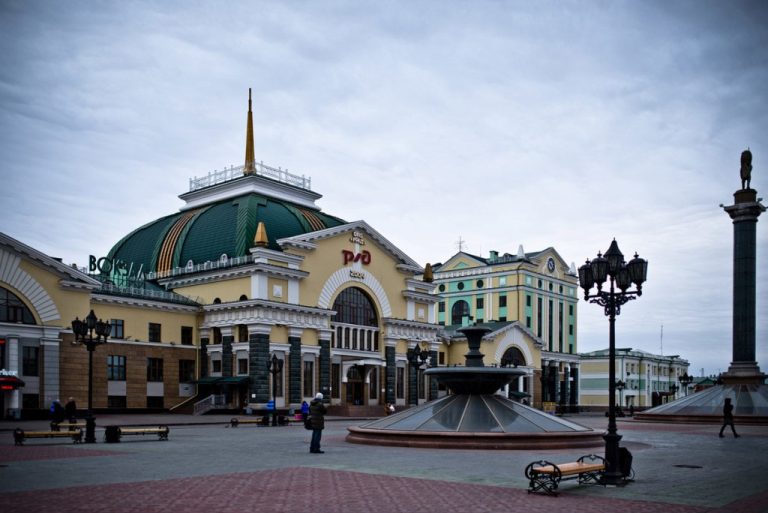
(349, 256)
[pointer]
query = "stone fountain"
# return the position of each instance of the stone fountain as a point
(472, 416)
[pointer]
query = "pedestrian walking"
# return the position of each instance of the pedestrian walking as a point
(728, 417)
(70, 410)
(317, 412)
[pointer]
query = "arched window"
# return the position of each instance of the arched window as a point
(459, 310)
(13, 309)
(513, 356)
(243, 297)
(353, 306)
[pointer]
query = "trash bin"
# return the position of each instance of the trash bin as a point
(112, 434)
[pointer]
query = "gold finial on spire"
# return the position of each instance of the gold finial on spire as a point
(261, 238)
(250, 160)
(428, 277)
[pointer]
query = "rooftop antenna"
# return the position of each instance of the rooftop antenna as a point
(661, 341)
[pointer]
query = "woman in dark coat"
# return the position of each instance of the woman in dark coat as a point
(728, 417)
(317, 416)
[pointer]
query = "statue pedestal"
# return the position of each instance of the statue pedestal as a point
(743, 373)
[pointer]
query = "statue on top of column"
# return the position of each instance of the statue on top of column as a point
(746, 168)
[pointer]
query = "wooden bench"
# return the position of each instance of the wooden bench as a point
(545, 476)
(266, 420)
(160, 431)
(56, 426)
(19, 435)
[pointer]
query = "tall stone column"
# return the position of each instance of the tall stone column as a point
(391, 375)
(432, 381)
(258, 355)
(226, 351)
(325, 364)
(294, 367)
(204, 341)
(744, 212)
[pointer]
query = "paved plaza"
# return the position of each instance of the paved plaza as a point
(208, 466)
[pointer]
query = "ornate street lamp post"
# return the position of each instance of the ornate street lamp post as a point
(621, 276)
(417, 357)
(84, 331)
(685, 380)
(620, 385)
(275, 367)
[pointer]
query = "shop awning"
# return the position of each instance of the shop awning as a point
(207, 380)
(233, 380)
(10, 383)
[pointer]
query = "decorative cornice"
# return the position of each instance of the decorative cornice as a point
(46, 261)
(421, 296)
(406, 263)
(263, 312)
(144, 303)
(409, 330)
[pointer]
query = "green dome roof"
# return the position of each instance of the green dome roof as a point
(207, 232)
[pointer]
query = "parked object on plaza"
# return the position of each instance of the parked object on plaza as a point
(544, 476)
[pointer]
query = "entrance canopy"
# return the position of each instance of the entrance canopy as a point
(10, 383)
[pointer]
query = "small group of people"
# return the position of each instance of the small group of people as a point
(61, 413)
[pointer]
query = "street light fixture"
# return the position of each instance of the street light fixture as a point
(84, 331)
(275, 367)
(620, 386)
(685, 380)
(417, 357)
(620, 275)
(673, 388)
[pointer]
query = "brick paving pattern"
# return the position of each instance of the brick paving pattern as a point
(208, 467)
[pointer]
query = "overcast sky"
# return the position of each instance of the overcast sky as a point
(545, 123)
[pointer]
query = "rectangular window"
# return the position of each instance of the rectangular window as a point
(441, 306)
(186, 335)
(550, 320)
(215, 365)
(116, 367)
(30, 361)
(155, 369)
(400, 384)
(527, 300)
(528, 322)
(242, 366)
(539, 317)
(502, 301)
(155, 402)
(154, 332)
(570, 309)
(186, 371)
(441, 358)
(503, 318)
(30, 401)
(308, 378)
(502, 281)
(479, 302)
(118, 328)
(560, 327)
(116, 401)
(335, 380)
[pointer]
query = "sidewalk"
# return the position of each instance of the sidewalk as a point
(208, 466)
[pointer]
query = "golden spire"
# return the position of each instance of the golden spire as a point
(250, 160)
(261, 238)
(428, 273)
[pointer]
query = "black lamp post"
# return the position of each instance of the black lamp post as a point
(685, 380)
(275, 367)
(620, 385)
(83, 331)
(621, 276)
(673, 388)
(417, 357)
